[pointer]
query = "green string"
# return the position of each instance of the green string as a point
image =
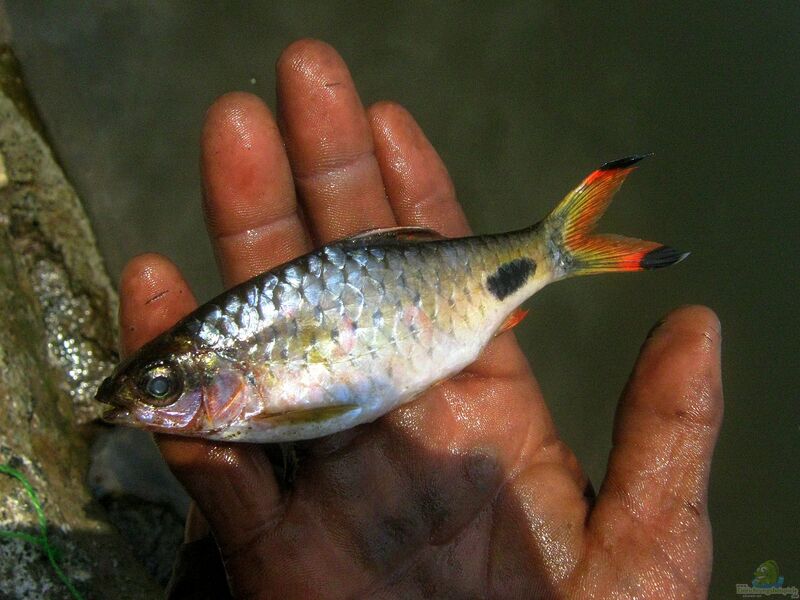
(40, 540)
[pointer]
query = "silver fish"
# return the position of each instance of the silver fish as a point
(346, 333)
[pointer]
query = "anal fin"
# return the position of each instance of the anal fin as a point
(514, 319)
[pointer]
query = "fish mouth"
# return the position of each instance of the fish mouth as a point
(117, 415)
(105, 392)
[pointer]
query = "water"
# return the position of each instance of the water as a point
(522, 101)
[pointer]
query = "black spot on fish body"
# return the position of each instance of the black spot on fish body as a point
(510, 277)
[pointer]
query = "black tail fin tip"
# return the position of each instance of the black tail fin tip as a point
(624, 163)
(663, 256)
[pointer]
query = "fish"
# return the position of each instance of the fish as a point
(348, 332)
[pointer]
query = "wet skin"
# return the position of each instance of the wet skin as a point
(467, 491)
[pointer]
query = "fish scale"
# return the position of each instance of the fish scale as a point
(396, 281)
(344, 334)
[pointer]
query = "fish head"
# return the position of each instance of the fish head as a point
(171, 386)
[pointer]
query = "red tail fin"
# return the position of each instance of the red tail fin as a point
(574, 218)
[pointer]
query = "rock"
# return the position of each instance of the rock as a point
(56, 342)
(154, 531)
(126, 462)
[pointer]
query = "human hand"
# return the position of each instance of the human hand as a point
(467, 491)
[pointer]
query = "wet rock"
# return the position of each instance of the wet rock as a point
(56, 342)
(56, 263)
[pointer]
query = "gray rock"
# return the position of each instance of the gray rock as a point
(126, 462)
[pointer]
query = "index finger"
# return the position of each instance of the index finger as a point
(153, 297)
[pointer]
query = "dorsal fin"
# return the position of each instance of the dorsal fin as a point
(396, 233)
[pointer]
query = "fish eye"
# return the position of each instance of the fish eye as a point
(159, 385)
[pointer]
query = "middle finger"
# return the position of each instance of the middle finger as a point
(329, 142)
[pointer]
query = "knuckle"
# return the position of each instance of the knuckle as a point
(333, 167)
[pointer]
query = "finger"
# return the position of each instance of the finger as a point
(418, 186)
(329, 142)
(232, 484)
(249, 201)
(153, 297)
(667, 425)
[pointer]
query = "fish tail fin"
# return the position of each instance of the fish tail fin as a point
(571, 222)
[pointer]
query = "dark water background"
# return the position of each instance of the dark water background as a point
(522, 100)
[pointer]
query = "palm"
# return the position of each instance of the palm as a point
(467, 491)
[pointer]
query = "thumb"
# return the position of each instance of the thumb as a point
(664, 436)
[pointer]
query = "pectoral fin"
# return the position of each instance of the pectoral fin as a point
(303, 416)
